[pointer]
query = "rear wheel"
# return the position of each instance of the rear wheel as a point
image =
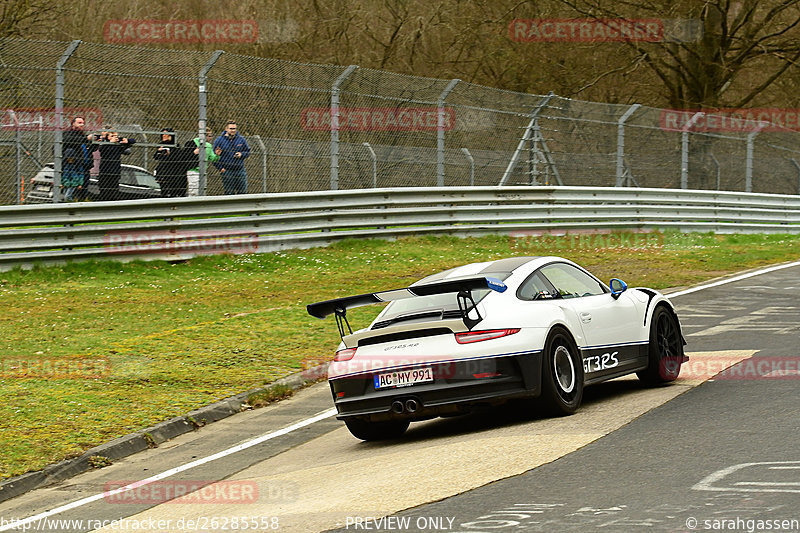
(562, 374)
(665, 355)
(366, 430)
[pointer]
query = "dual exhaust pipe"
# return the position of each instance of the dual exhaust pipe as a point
(409, 406)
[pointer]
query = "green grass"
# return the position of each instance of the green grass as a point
(91, 351)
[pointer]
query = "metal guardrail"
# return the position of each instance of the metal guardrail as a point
(181, 228)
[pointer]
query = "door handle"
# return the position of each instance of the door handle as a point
(586, 318)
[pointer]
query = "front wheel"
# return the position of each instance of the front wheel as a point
(562, 374)
(665, 352)
(366, 430)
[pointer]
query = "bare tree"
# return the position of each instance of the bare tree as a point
(19, 17)
(743, 49)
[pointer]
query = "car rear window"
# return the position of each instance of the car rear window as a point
(436, 302)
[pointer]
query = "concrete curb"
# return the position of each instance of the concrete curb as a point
(151, 437)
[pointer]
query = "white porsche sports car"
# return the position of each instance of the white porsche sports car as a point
(486, 332)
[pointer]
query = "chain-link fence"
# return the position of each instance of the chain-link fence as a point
(316, 127)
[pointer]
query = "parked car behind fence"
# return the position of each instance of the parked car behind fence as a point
(135, 183)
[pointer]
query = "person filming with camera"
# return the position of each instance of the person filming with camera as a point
(111, 148)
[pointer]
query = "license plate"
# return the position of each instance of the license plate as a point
(404, 378)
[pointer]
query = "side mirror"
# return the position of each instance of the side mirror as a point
(617, 287)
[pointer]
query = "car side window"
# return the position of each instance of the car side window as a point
(571, 282)
(127, 177)
(534, 287)
(146, 180)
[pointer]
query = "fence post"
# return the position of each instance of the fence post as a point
(440, 132)
(263, 149)
(471, 166)
(18, 154)
(59, 133)
(202, 120)
(797, 166)
(685, 148)
(525, 137)
(335, 92)
(748, 171)
(39, 144)
(374, 165)
(717, 167)
(621, 143)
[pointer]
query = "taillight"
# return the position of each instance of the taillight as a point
(483, 375)
(345, 355)
(477, 336)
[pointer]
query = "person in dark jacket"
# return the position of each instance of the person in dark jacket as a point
(72, 172)
(232, 150)
(173, 163)
(77, 142)
(111, 151)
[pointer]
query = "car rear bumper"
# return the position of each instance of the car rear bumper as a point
(456, 386)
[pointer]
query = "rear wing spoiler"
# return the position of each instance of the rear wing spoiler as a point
(462, 287)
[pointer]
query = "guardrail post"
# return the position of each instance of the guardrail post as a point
(621, 143)
(202, 119)
(471, 166)
(59, 133)
(748, 171)
(263, 148)
(335, 92)
(374, 165)
(526, 136)
(685, 148)
(440, 132)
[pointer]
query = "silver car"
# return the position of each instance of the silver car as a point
(135, 183)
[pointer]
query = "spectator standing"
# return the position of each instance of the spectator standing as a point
(76, 143)
(111, 152)
(173, 163)
(232, 150)
(193, 175)
(72, 172)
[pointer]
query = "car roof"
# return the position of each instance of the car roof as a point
(508, 264)
(52, 165)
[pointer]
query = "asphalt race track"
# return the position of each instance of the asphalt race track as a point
(699, 454)
(723, 454)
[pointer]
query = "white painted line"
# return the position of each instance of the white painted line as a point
(735, 278)
(769, 483)
(167, 473)
(784, 468)
(708, 483)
